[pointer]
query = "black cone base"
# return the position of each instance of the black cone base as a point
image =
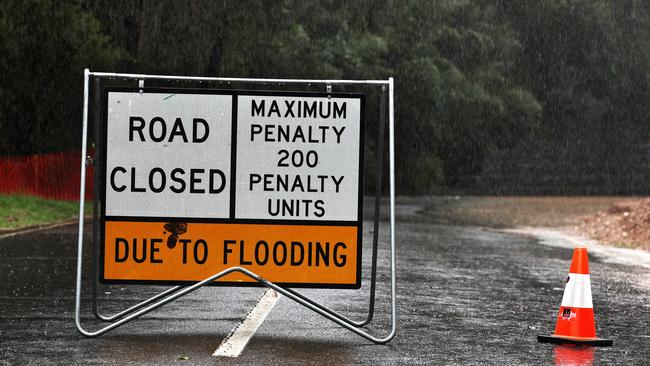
(563, 340)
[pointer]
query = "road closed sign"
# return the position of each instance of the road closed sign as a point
(196, 181)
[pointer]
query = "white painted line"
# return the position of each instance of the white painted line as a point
(40, 228)
(234, 343)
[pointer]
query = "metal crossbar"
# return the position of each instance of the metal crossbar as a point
(176, 292)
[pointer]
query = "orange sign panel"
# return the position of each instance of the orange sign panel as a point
(180, 252)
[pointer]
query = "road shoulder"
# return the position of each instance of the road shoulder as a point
(559, 238)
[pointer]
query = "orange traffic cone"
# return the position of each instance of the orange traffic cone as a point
(575, 322)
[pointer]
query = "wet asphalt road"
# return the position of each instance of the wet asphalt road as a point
(466, 295)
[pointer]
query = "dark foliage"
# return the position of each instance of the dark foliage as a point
(477, 80)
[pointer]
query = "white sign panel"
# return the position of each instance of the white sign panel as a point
(168, 155)
(298, 157)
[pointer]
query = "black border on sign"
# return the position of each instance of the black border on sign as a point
(234, 93)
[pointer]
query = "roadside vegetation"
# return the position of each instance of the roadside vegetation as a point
(19, 211)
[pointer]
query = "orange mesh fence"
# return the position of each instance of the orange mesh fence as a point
(54, 176)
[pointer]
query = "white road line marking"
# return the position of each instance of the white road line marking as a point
(234, 343)
(40, 228)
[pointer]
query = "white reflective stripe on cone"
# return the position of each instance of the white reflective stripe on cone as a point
(577, 293)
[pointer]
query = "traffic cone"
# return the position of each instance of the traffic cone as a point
(575, 322)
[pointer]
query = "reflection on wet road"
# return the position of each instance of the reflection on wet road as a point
(567, 355)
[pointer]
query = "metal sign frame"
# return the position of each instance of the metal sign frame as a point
(176, 292)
